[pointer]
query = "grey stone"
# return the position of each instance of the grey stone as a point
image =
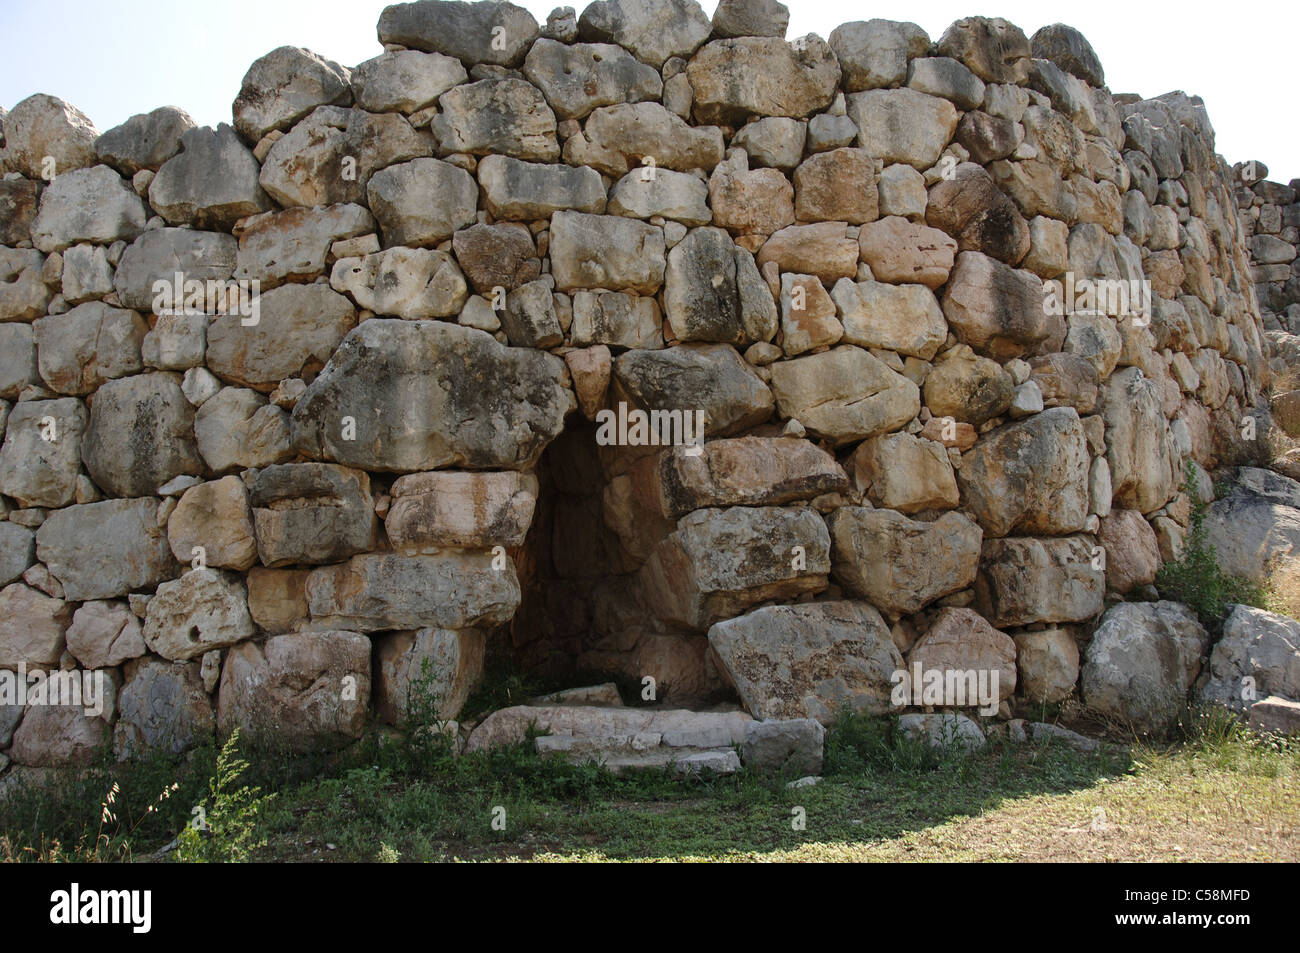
(284, 86)
(140, 435)
(491, 32)
(211, 184)
(405, 81)
(713, 291)
(105, 550)
(236, 428)
(519, 190)
(36, 471)
(145, 141)
(875, 53)
(160, 254)
(815, 660)
(162, 707)
(764, 76)
(497, 116)
(42, 126)
(577, 79)
(791, 746)
(413, 390)
(652, 30)
(1141, 663)
(606, 251)
(87, 205)
(709, 377)
(389, 591)
(93, 343)
(421, 202)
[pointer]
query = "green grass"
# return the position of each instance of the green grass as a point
(1218, 792)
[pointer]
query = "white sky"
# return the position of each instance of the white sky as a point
(115, 58)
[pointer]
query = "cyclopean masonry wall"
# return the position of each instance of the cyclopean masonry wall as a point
(266, 510)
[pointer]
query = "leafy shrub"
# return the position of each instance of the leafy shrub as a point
(1195, 577)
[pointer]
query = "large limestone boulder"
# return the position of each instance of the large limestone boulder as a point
(62, 736)
(898, 564)
(104, 550)
(284, 86)
(93, 343)
(790, 746)
(24, 292)
(32, 627)
(606, 251)
(293, 245)
(104, 634)
(44, 126)
(1048, 663)
(410, 283)
(217, 517)
(204, 609)
(1030, 477)
(523, 191)
(383, 591)
(19, 200)
(902, 472)
(902, 318)
(653, 30)
(491, 32)
(845, 394)
(961, 641)
(875, 53)
(430, 669)
(616, 139)
(734, 79)
(1258, 655)
(745, 471)
(497, 116)
(621, 739)
(311, 513)
(1132, 553)
(497, 256)
(1142, 467)
(814, 660)
(145, 141)
(1070, 50)
(1251, 534)
(405, 80)
(162, 707)
(236, 429)
(577, 78)
(17, 551)
(140, 435)
(297, 329)
(1023, 581)
(903, 252)
(421, 202)
(87, 205)
(431, 511)
(993, 49)
(709, 377)
(413, 391)
(964, 386)
(972, 209)
(1143, 659)
(751, 18)
(264, 695)
(161, 253)
(713, 291)
(996, 309)
(903, 125)
(211, 184)
(41, 455)
(329, 157)
(719, 562)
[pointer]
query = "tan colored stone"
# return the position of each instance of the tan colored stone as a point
(903, 252)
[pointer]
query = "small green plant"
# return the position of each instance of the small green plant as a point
(1195, 577)
(225, 822)
(429, 741)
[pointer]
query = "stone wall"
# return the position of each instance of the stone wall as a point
(294, 404)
